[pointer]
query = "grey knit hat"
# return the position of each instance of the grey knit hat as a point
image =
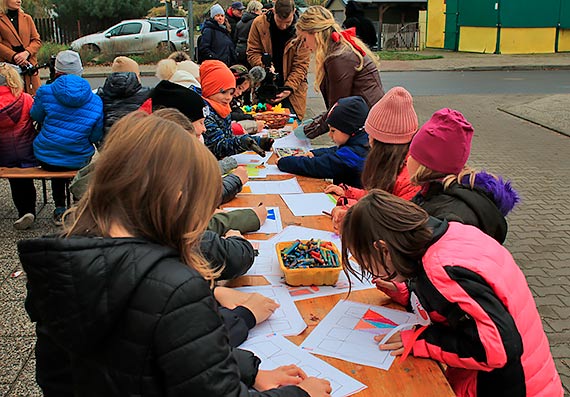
(216, 10)
(68, 62)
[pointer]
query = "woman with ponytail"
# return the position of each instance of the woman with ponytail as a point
(345, 66)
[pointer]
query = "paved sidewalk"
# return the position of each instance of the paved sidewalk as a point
(535, 158)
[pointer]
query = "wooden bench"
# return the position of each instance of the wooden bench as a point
(43, 175)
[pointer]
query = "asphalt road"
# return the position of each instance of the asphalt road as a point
(456, 83)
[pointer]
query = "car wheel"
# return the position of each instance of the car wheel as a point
(92, 48)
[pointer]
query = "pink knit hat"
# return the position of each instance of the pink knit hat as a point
(393, 118)
(443, 143)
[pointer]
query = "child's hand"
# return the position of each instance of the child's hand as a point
(334, 189)
(282, 376)
(394, 343)
(337, 215)
(229, 297)
(261, 212)
(260, 125)
(241, 173)
(316, 387)
(261, 306)
(384, 285)
(308, 154)
(233, 233)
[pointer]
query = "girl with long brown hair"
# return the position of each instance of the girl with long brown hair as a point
(391, 124)
(122, 299)
(479, 316)
(344, 65)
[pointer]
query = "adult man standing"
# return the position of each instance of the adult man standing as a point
(233, 15)
(274, 33)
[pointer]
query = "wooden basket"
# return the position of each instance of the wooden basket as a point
(272, 119)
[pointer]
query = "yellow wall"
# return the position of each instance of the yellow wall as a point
(564, 40)
(422, 22)
(473, 39)
(435, 23)
(527, 40)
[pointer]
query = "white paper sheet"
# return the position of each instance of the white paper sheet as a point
(275, 351)
(309, 204)
(347, 332)
(266, 262)
(251, 157)
(272, 169)
(286, 320)
(293, 142)
(272, 224)
(315, 291)
(290, 186)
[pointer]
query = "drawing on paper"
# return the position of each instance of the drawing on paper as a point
(275, 351)
(346, 333)
(375, 323)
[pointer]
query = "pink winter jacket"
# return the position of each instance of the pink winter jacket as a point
(485, 325)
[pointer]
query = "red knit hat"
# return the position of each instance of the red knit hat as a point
(443, 143)
(393, 118)
(215, 77)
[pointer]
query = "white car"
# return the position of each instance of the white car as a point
(134, 36)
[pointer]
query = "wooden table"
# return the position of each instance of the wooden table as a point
(414, 377)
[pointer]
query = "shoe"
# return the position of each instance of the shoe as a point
(24, 222)
(58, 215)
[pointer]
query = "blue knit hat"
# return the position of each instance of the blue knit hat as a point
(348, 115)
(216, 10)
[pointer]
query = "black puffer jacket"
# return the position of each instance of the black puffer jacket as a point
(242, 33)
(122, 93)
(485, 206)
(124, 317)
(216, 43)
(231, 186)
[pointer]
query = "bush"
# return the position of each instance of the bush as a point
(49, 49)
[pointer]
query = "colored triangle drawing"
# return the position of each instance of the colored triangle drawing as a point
(371, 315)
(271, 214)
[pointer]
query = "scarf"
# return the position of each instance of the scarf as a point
(222, 110)
(349, 35)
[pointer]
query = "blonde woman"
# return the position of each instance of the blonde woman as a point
(19, 40)
(16, 142)
(344, 65)
(122, 299)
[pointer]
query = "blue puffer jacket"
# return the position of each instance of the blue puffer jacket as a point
(342, 164)
(72, 121)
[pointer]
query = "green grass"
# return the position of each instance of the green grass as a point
(405, 56)
(49, 49)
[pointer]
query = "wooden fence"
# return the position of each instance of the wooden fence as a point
(401, 36)
(57, 31)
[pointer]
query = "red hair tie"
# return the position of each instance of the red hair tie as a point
(349, 35)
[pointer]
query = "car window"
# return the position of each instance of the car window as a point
(115, 31)
(176, 22)
(157, 27)
(131, 28)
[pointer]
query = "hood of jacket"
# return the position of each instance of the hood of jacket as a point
(80, 287)
(248, 16)
(10, 108)
(72, 91)
(500, 191)
(210, 23)
(121, 85)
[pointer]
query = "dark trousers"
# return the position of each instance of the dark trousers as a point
(23, 195)
(57, 184)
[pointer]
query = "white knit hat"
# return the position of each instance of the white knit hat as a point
(216, 10)
(68, 62)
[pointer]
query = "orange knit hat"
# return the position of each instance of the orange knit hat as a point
(393, 118)
(215, 77)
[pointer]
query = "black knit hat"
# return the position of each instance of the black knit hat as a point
(348, 115)
(171, 95)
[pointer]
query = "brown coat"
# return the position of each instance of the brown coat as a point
(29, 38)
(341, 78)
(296, 60)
